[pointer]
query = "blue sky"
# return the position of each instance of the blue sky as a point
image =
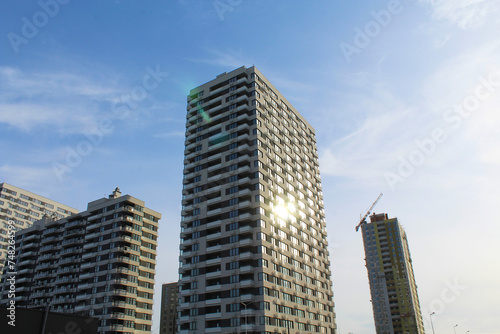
(404, 97)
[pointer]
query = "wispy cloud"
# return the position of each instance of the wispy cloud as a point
(384, 129)
(65, 102)
(466, 14)
(228, 58)
(169, 134)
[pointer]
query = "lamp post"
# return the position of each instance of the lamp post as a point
(454, 328)
(432, 325)
(246, 315)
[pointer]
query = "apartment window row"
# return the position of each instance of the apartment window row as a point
(34, 200)
(290, 247)
(288, 284)
(308, 269)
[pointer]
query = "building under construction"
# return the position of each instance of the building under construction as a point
(396, 308)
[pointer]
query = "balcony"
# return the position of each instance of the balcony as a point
(216, 287)
(246, 242)
(214, 248)
(213, 316)
(213, 200)
(246, 269)
(213, 274)
(213, 236)
(246, 283)
(246, 255)
(214, 212)
(215, 301)
(244, 229)
(84, 286)
(213, 261)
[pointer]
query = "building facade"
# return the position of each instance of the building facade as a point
(22, 208)
(168, 324)
(254, 251)
(396, 309)
(98, 263)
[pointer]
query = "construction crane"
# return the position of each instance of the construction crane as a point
(363, 220)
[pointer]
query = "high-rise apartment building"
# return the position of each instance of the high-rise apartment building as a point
(396, 308)
(22, 208)
(99, 263)
(254, 251)
(169, 304)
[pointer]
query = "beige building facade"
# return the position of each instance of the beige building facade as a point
(99, 263)
(22, 208)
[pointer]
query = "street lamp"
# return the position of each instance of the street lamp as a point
(454, 328)
(432, 325)
(246, 315)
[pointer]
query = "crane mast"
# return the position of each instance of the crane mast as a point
(363, 220)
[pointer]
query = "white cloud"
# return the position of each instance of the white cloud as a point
(229, 59)
(169, 134)
(63, 101)
(466, 14)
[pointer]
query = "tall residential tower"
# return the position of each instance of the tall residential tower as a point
(254, 251)
(396, 308)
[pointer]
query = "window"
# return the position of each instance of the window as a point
(198, 168)
(195, 247)
(232, 226)
(233, 178)
(232, 156)
(232, 190)
(233, 214)
(234, 322)
(233, 265)
(234, 251)
(233, 201)
(233, 167)
(233, 307)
